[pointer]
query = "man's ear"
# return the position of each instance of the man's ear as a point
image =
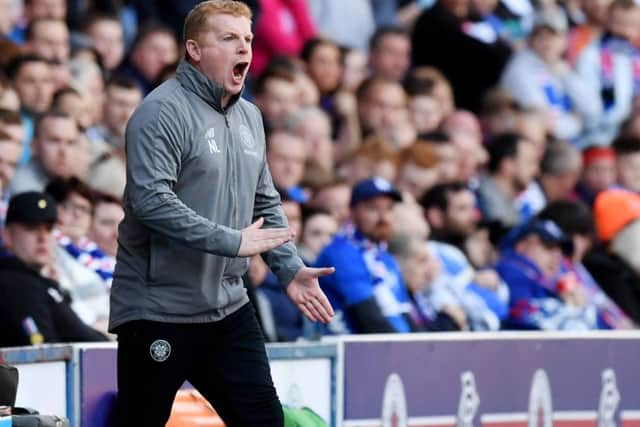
(193, 50)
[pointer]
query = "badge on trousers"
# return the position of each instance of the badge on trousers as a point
(160, 350)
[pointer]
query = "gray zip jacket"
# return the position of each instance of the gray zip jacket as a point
(196, 176)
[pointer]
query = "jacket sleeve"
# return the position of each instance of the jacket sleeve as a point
(283, 260)
(155, 140)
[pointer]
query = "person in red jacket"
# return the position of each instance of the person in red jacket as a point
(282, 29)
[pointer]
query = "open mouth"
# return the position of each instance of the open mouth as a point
(239, 70)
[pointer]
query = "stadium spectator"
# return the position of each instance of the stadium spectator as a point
(425, 109)
(287, 154)
(383, 112)
(313, 125)
(367, 291)
(512, 167)
(448, 159)
(80, 267)
(154, 48)
(464, 131)
(33, 308)
(355, 69)
(107, 35)
(122, 97)
(60, 152)
(540, 78)
(560, 170)
(334, 196)
(451, 213)
(627, 150)
(442, 89)
(390, 53)
(277, 96)
(318, 229)
(574, 280)
(324, 64)
(49, 39)
(531, 259)
(70, 101)
(598, 174)
(89, 80)
(419, 268)
(32, 78)
(417, 169)
(107, 215)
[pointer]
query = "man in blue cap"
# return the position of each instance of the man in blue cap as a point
(530, 265)
(367, 290)
(33, 309)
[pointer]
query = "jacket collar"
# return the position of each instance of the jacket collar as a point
(9, 262)
(210, 92)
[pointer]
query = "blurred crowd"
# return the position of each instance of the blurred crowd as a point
(464, 164)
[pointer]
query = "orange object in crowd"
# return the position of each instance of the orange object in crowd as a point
(191, 409)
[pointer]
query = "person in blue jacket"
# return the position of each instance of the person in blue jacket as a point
(367, 291)
(530, 263)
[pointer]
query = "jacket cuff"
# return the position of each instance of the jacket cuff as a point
(230, 244)
(286, 274)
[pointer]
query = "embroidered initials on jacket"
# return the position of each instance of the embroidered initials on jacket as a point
(210, 137)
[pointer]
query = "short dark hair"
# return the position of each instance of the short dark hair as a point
(415, 85)
(572, 217)
(376, 38)
(123, 81)
(52, 114)
(437, 196)
(148, 28)
(61, 188)
(100, 16)
(100, 197)
(626, 145)
(309, 211)
(273, 72)
(363, 91)
(311, 45)
(15, 65)
(57, 96)
(503, 146)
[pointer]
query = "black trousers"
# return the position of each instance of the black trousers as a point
(226, 361)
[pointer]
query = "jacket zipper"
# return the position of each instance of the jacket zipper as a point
(226, 119)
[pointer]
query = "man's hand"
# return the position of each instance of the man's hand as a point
(256, 240)
(304, 290)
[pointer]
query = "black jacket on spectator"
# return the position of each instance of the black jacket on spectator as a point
(471, 66)
(33, 309)
(617, 279)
